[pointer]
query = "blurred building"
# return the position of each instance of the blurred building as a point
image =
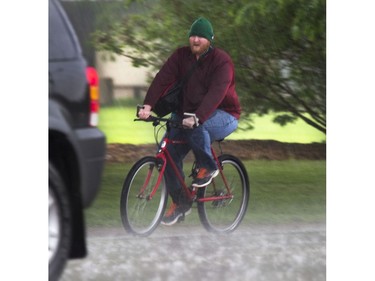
(118, 78)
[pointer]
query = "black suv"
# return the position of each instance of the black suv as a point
(76, 146)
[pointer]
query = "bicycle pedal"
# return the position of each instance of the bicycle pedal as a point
(181, 219)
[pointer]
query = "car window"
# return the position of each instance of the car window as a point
(61, 43)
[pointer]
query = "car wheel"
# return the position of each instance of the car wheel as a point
(59, 229)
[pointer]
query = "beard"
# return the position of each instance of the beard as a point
(199, 48)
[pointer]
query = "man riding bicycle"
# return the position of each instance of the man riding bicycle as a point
(210, 94)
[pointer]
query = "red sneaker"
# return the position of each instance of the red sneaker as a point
(175, 213)
(204, 177)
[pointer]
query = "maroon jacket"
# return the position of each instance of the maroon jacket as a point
(211, 85)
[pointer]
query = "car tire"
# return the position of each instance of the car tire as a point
(59, 224)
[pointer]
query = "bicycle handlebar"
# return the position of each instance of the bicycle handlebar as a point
(156, 120)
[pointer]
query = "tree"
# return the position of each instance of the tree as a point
(277, 46)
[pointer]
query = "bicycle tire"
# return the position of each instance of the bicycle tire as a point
(225, 215)
(141, 215)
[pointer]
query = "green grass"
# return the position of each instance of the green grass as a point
(118, 125)
(281, 192)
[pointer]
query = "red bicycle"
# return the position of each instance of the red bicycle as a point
(221, 205)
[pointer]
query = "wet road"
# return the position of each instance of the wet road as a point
(282, 252)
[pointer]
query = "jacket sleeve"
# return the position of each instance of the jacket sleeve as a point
(222, 82)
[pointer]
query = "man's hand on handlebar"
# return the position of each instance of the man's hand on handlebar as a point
(188, 122)
(144, 111)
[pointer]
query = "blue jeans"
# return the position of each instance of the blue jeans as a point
(218, 126)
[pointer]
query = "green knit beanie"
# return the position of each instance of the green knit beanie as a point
(202, 28)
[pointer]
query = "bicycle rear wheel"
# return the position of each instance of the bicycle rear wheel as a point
(141, 214)
(224, 215)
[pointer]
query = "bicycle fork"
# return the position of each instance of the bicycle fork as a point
(151, 171)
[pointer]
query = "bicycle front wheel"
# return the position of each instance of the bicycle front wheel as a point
(224, 214)
(141, 213)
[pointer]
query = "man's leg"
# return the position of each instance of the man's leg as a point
(200, 142)
(218, 126)
(177, 153)
(180, 205)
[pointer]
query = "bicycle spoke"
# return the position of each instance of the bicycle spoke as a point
(223, 203)
(140, 214)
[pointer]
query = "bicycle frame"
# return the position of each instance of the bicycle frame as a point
(164, 156)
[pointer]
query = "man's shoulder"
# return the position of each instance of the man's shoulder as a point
(184, 50)
(221, 53)
(221, 56)
(181, 54)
